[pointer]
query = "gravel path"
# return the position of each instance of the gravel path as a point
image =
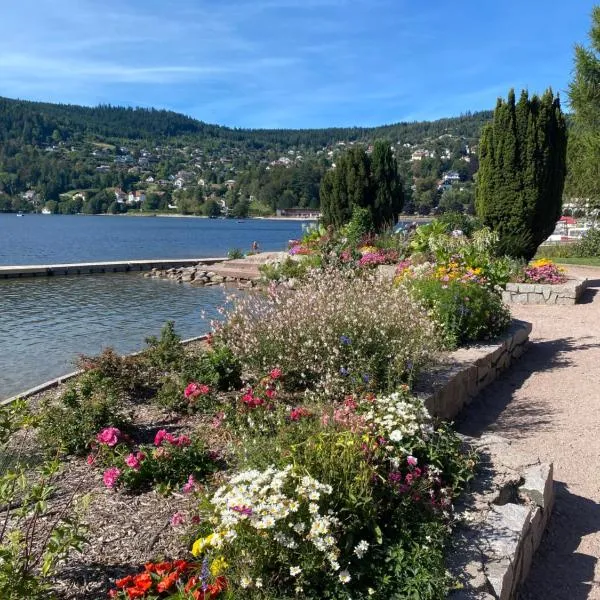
(549, 405)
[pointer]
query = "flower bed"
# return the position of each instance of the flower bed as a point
(290, 457)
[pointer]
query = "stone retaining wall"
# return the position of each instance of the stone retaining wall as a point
(501, 523)
(537, 293)
(467, 371)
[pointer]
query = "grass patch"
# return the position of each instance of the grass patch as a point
(591, 261)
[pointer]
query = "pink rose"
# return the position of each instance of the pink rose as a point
(109, 436)
(110, 477)
(412, 461)
(182, 440)
(91, 459)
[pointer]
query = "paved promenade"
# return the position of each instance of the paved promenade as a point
(549, 405)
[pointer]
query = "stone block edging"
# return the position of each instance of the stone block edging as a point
(467, 371)
(501, 522)
(544, 293)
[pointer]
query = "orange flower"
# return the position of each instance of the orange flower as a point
(143, 581)
(168, 582)
(134, 592)
(124, 582)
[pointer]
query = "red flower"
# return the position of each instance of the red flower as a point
(143, 581)
(270, 393)
(124, 582)
(168, 582)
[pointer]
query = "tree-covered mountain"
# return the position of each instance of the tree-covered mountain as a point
(74, 158)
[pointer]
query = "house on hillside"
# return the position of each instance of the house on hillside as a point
(120, 196)
(421, 154)
(451, 177)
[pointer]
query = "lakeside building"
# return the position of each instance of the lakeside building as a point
(305, 213)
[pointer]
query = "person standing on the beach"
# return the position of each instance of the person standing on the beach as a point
(254, 246)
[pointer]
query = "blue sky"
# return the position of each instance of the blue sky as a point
(289, 63)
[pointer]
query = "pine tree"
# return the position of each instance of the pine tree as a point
(583, 180)
(522, 170)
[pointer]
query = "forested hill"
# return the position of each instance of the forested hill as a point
(69, 159)
(40, 123)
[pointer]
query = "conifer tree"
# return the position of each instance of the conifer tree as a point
(522, 170)
(583, 157)
(388, 197)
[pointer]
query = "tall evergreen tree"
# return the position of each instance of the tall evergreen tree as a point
(387, 186)
(583, 180)
(346, 186)
(522, 170)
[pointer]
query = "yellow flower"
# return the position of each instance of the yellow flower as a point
(201, 543)
(218, 566)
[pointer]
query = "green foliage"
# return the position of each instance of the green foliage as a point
(217, 367)
(35, 536)
(88, 405)
(165, 352)
(589, 245)
(522, 170)
(464, 312)
(460, 221)
(388, 196)
(360, 181)
(360, 225)
(164, 467)
(288, 268)
(583, 179)
(235, 253)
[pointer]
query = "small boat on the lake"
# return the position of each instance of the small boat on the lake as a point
(19, 214)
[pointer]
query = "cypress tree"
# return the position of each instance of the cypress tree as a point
(388, 198)
(522, 171)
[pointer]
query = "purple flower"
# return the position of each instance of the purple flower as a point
(344, 372)
(344, 339)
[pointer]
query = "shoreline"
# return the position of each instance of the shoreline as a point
(57, 381)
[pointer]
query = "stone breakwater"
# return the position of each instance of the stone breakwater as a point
(199, 275)
(243, 272)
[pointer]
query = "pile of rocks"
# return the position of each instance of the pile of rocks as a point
(199, 275)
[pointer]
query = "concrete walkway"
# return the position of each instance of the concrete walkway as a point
(549, 405)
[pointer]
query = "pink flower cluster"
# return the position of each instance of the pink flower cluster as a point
(193, 390)
(299, 249)
(111, 476)
(253, 398)
(134, 460)
(545, 274)
(296, 414)
(345, 416)
(110, 436)
(381, 257)
(164, 436)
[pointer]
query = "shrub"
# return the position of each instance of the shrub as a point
(464, 312)
(589, 245)
(164, 352)
(358, 504)
(34, 537)
(334, 334)
(286, 269)
(359, 226)
(217, 367)
(122, 375)
(235, 253)
(172, 462)
(85, 407)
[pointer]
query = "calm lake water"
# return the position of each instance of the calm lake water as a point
(52, 239)
(46, 322)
